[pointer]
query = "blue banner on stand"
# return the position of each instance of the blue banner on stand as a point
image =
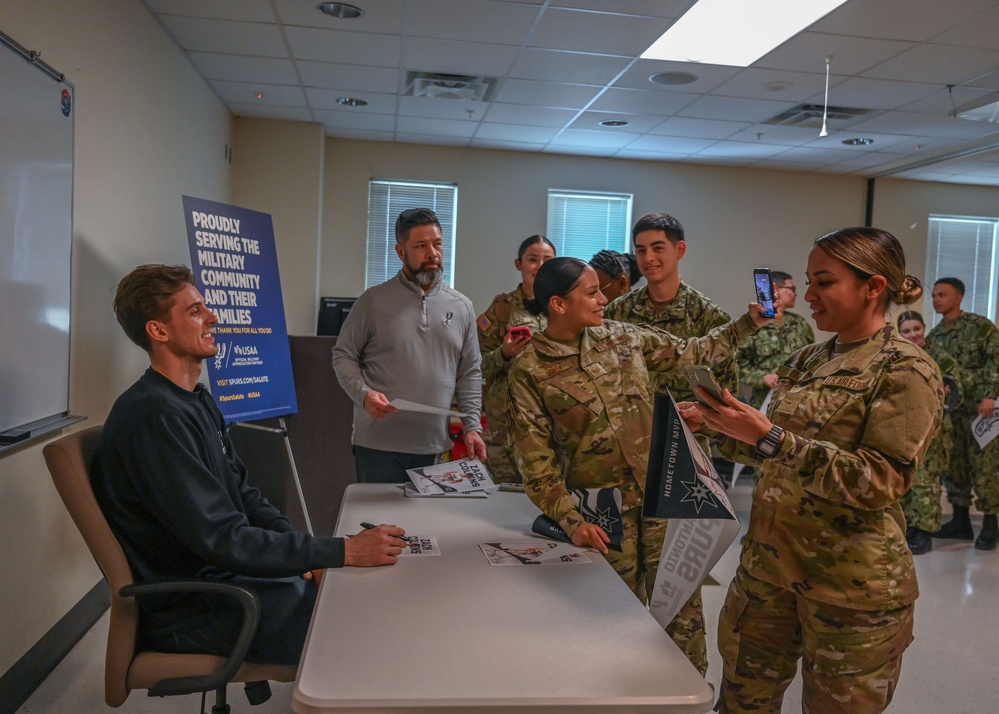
(235, 267)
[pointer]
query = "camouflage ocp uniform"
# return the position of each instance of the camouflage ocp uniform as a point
(825, 573)
(583, 419)
(506, 310)
(921, 503)
(973, 341)
(765, 351)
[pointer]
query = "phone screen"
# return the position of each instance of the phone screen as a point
(765, 290)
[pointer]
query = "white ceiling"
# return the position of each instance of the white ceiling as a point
(563, 66)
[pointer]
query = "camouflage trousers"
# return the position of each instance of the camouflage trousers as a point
(921, 503)
(500, 462)
(638, 563)
(851, 659)
(972, 469)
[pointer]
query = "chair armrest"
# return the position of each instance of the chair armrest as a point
(221, 677)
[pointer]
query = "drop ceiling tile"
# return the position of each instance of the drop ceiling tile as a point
(864, 93)
(441, 108)
(670, 144)
(436, 127)
(278, 95)
(980, 31)
(570, 67)
(650, 8)
(916, 20)
(783, 85)
(512, 133)
(505, 145)
(239, 68)
(226, 36)
(383, 80)
(432, 139)
(637, 101)
(585, 31)
(359, 134)
(940, 64)
(471, 20)
(584, 138)
(741, 150)
(777, 134)
(807, 52)
(453, 57)
(943, 102)
(546, 94)
(603, 151)
(700, 128)
(734, 109)
(326, 99)
(708, 76)
(629, 153)
(529, 116)
(245, 10)
(383, 16)
(333, 119)
(364, 48)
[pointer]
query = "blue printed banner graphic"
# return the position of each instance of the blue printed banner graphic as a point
(235, 267)
(682, 481)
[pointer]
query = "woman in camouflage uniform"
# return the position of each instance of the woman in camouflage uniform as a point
(921, 503)
(582, 400)
(498, 347)
(825, 574)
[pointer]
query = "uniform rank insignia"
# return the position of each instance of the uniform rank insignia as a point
(483, 322)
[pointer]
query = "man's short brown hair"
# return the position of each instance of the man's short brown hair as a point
(147, 294)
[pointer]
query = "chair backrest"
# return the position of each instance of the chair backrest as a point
(68, 460)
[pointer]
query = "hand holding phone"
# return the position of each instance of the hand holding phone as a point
(521, 332)
(764, 281)
(700, 376)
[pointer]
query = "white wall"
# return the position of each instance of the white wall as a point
(148, 130)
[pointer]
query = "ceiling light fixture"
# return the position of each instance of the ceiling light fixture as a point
(351, 102)
(339, 10)
(613, 122)
(718, 31)
(982, 109)
(858, 141)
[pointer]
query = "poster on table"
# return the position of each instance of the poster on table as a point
(683, 486)
(234, 260)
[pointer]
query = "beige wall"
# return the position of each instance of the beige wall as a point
(277, 168)
(734, 219)
(148, 130)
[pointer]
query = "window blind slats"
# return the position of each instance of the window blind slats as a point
(964, 248)
(386, 200)
(582, 223)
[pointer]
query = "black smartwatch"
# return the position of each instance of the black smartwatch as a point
(768, 446)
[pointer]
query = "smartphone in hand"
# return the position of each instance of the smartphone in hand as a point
(700, 376)
(764, 281)
(521, 331)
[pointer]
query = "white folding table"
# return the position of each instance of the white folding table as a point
(453, 633)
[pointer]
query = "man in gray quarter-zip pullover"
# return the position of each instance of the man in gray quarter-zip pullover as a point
(411, 338)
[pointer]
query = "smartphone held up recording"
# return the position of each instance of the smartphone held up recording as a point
(521, 332)
(764, 280)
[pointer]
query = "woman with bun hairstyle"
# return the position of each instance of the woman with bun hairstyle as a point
(921, 503)
(825, 574)
(581, 397)
(499, 345)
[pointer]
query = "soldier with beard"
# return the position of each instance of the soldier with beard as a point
(411, 338)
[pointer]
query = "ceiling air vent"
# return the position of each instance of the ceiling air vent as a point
(810, 116)
(449, 86)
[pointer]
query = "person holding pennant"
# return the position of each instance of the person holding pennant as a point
(581, 395)
(825, 574)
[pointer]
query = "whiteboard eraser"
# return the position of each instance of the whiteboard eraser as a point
(14, 435)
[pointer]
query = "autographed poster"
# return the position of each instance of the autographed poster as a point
(683, 486)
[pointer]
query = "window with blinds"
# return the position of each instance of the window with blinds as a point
(387, 198)
(963, 247)
(581, 223)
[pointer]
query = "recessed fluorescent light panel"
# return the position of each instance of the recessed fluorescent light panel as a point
(736, 32)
